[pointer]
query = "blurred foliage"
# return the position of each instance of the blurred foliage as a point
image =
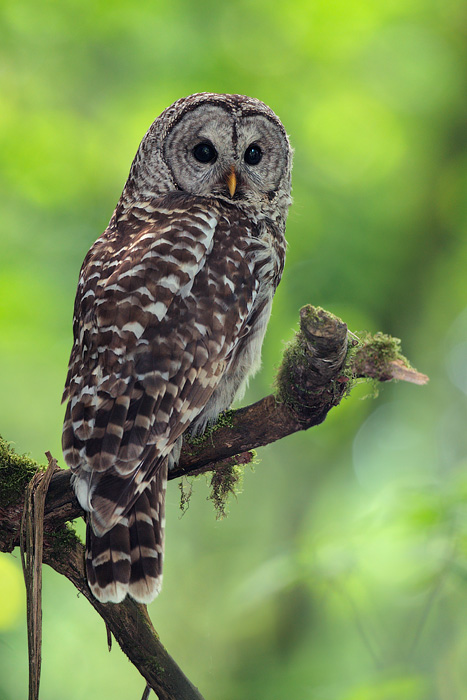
(341, 571)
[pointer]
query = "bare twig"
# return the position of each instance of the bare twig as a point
(109, 637)
(406, 374)
(31, 536)
(147, 692)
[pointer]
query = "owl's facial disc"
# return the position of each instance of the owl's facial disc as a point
(215, 151)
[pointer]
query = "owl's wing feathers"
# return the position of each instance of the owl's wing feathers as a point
(162, 300)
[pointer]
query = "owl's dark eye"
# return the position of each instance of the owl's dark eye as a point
(205, 152)
(253, 154)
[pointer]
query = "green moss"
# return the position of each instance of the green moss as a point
(316, 317)
(225, 482)
(367, 356)
(371, 354)
(63, 540)
(254, 459)
(186, 489)
(382, 346)
(347, 374)
(379, 349)
(154, 665)
(225, 420)
(295, 355)
(15, 473)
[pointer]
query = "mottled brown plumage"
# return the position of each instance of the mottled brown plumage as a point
(170, 314)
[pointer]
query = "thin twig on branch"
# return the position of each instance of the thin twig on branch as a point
(319, 366)
(31, 543)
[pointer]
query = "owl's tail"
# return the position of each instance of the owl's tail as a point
(128, 558)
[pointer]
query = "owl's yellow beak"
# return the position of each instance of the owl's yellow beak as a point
(231, 180)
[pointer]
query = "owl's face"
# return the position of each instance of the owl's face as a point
(230, 147)
(212, 150)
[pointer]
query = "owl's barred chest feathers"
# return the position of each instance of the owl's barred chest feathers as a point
(122, 273)
(242, 266)
(170, 315)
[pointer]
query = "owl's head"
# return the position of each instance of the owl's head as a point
(230, 147)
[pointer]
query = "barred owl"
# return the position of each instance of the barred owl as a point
(170, 315)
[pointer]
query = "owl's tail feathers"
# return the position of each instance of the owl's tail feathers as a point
(128, 558)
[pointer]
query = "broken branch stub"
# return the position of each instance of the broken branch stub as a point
(307, 378)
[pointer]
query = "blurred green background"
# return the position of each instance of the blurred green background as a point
(341, 571)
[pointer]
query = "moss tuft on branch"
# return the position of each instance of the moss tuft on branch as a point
(16, 471)
(379, 357)
(223, 420)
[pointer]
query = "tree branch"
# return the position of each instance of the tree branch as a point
(318, 368)
(129, 623)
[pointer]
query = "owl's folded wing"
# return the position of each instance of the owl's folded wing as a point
(162, 301)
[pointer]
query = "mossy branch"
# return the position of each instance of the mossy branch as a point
(320, 366)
